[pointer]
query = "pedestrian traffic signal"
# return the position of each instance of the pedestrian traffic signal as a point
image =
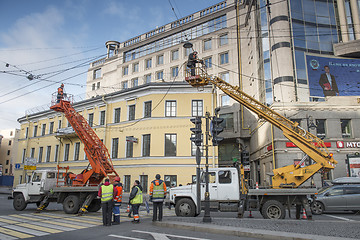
(197, 138)
(216, 130)
(245, 158)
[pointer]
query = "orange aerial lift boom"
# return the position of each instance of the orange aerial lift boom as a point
(95, 150)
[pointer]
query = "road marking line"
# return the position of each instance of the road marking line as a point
(62, 228)
(24, 217)
(85, 221)
(26, 230)
(5, 237)
(51, 215)
(341, 218)
(93, 217)
(15, 233)
(8, 221)
(68, 225)
(36, 216)
(162, 235)
(49, 230)
(118, 236)
(14, 219)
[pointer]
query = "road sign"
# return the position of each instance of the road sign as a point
(17, 165)
(26, 167)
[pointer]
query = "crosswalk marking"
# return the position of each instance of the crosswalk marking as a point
(8, 221)
(14, 233)
(85, 221)
(23, 217)
(6, 237)
(49, 230)
(14, 219)
(65, 223)
(26, 230)
(55, 226)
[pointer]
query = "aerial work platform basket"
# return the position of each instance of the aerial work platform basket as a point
(197, 76)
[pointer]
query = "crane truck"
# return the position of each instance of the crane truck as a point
(76, 192)
(229, 190)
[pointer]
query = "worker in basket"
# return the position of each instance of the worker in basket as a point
(60, 93)
(192, 60)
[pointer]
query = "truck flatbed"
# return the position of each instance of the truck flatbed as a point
(283, 191)
(76, 189)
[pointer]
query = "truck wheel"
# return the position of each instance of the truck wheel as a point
(71, 204)
(317, 208)
(19, 202)
(94, 206)
(185, 208)
(273, 209)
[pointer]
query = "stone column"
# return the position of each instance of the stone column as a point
(355, 18)
(342, 19)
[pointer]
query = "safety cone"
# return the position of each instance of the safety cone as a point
(304, 214)
(257, 185)
(128, 208)
(250, 215)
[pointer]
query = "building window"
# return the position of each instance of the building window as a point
(170, 180)
(160, 75)
(320, 128)
(345, 128)
(129, 148)
(23, 155)
(9, 142)
(170, 144)
(197, 108)
(132, 112)
(77, 151)
(6, 171)
(136, 67)
(224, 58)
(160, 59)
(93, 87)
(51, 128)
(43, 130)
(124, 85)
(207, 44)
(174, 71)
(66, 152)
(27, 132)
(56, 153)
(170, 108)
(102, 118)
(115, 148)
(69, 124)
(208, 62)
(175, 55)
(59, 124)
(225, 76)
(91, 119)
(223, 39)
(7, 162)
(147, 109)
(148, 78)
(135, 82)
(48, 153)
(127, 183)
(35, 131)
(32, 153)
(225, 100)
(41, 149)
(97, 73)
(117, 115)
(148, 63)
(97, 85)
(144, 182)
(8, 152)
(228, 122)
(146, 145)
(126, 70)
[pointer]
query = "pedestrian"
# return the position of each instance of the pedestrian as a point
(136, 199)
(117, 201)
(107, 193)
(60, 93)
(157, 195)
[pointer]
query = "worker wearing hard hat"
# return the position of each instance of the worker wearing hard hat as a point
(192, 60)
(117, 200)
(60, 93)
(157, 195)
(136, 199)
(107, 193)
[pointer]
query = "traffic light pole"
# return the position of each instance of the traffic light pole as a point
(207, 217)
(198, 191)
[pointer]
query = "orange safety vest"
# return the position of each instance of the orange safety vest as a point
(118, 197)
(60, 91)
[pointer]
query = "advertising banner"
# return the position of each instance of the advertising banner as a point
(354, 166)
(332, 76)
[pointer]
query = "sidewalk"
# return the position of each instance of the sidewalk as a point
(5, 190)
(288, 229)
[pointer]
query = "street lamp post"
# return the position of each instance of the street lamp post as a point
(207, 217)
(311, 125)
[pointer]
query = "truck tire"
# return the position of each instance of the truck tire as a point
(71, 204)
(317, 208)
(19, 202)
(185, 208)
(94, 206)
(273, 209)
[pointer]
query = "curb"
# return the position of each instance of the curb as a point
(244, 232)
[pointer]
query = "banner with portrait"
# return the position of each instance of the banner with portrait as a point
(333, 76)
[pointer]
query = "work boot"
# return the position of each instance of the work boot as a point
(129, 215)
(116, 220)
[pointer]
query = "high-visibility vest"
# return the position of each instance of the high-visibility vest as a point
(118, 197)
(138, 199)
(158, 191)
(107, 193)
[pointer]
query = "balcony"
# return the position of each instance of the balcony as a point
(67, 132)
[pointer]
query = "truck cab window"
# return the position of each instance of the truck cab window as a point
(36, 177)
(50, 175)
(224, 177)
(212, 177)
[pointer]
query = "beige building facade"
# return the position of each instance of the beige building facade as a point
(8, 150)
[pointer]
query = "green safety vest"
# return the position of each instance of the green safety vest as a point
(158, 191)
(107, 193)
(138, 199)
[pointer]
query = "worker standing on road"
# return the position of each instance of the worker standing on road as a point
(60, 93)
(157, 196)
(136, 199)
(107, 193)
(117, 201)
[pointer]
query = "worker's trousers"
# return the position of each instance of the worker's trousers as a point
(135, 208)
(107, 212)
(157, 206)
(116, 212)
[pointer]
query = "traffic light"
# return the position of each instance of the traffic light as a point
(216, 130)
(245, 158)
(197, 139)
